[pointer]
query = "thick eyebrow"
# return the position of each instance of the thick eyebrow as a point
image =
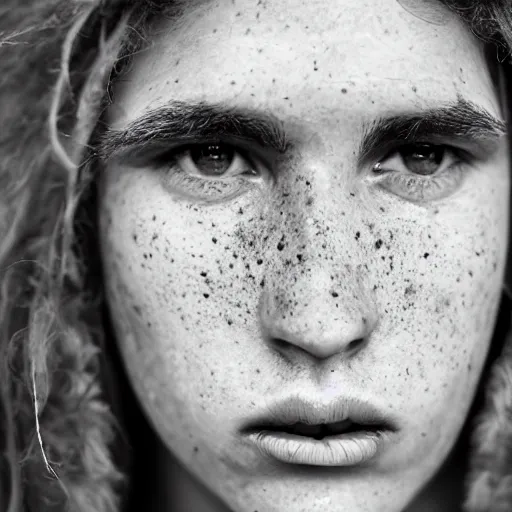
(462, 121)
(184, 122)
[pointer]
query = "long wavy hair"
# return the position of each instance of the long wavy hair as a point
(58, 60)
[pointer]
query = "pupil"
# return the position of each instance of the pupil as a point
(423, 158)
(212, 159)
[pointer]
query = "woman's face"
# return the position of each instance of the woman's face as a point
(273, 260)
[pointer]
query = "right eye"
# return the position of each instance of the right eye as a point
(214, 160)
(210, 171)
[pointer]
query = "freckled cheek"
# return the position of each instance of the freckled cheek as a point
(201, 282)
(441, 299)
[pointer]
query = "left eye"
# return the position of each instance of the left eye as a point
(422, 172)
(422, 159)
(214, 161)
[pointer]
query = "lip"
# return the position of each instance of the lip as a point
(343, 449)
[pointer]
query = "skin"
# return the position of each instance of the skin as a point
(210, 336)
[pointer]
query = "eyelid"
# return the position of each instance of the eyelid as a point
(459, 153)
(470, 151)
(186, 162)
(153, 153)
(453, 152)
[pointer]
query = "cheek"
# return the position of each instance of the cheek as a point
(186, 279)
(439, 285)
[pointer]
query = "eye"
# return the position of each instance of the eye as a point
(214, 160)
(421, 171)
(210, 171)
(422, 159)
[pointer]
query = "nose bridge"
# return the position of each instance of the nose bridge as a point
(315, 295)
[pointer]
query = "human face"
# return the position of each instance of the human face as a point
(299, 270)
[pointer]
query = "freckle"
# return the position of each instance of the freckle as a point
(344, 91)
(378, 244)
(154, 217)
(206, 295)
(426, 255)
(232, 82)
(258, 370)
(177, 80)
(280, 246)
(409, 290)
(214, 240)
(358, 234)
(204, 274)
(259, 262)
(334, 294)
(299, 257)
(230, 322)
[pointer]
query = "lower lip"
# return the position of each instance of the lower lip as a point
(348, 449)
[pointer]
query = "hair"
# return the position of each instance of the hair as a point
(58, 419)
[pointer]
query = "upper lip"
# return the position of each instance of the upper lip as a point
(296, 409)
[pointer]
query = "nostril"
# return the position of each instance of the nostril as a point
(280, 344)
(356, 344)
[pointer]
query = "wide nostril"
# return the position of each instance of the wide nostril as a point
(280, 344)
(286, 345)
(355, 345)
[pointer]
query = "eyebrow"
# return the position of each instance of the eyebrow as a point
(195, 122)
(462, 121)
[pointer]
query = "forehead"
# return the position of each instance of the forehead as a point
(242, 50)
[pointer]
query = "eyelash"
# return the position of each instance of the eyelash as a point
(422, 188)
(209, 189)
(412, 187)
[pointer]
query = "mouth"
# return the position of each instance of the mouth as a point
(322, 430)
(346, 432)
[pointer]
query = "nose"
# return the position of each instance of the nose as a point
(312, 316)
